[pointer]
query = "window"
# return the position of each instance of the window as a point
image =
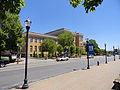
(31, 48)
(39, 55)
(40, 48)
(35, 40)
(31, 39)
(40, 40)
(35, 48)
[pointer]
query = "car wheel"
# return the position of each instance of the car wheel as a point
(2, 65)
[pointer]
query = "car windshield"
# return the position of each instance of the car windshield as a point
(62, 57)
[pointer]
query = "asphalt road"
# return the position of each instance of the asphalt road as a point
(13, 75)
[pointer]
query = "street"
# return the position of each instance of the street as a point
(13, 75)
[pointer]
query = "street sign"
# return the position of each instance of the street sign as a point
(91, 49)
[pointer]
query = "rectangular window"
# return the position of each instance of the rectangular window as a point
(40, 40)
(31, 39)
(40, 48)
(31, 48)
(35, 40)
(35, 48)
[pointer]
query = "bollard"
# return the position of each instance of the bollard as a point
(97, 63)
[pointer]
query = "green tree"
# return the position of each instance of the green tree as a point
(89, 5)
(96, 47)
(78, 51)
(13, 32)
(72, 50)
(67, 48)
(60, 49)
(13, 6)
(65, 39)
(49, 45)
(2, 41)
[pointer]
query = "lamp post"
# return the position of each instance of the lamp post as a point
(114, 52)
(18, 53)
(105, 54)
(87, 42)
(27, 24)
(119, 52)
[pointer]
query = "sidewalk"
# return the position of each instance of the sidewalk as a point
(96, 78)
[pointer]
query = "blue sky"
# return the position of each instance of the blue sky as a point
(103, 25)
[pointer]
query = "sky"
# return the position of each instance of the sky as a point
(103, 25)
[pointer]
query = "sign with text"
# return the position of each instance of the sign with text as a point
(91, 49)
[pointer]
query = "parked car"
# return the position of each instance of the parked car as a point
(91, 56)
(3, 63)
(109, 55)
(62, 58)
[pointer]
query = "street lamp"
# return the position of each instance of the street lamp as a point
(27, 24)
(105, 54)
(114, 52)
(87, 42)
(119, 52)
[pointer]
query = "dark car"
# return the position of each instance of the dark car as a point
(109, 55)
(3, 63)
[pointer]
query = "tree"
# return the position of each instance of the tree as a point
(49, 45)
(60, 49)
(65, 39)
(72, 50)
(2, 41)
(78, 51)
(89, 5)
(11, 32)
(96, 47)
(13, 6)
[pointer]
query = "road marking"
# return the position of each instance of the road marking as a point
(20, 68)
(12, 69)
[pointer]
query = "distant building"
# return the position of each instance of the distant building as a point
(78, 37)
(35, 40)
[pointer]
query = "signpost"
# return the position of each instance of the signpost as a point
(91, 49)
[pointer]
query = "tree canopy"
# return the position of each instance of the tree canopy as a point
(66, 39)
(60, 49)
(89, 5)
(49, 45)
(11, 33)
(13, 6)
(97, 50)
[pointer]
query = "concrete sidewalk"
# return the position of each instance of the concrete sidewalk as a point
(96, 78)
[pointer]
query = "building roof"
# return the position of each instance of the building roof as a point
(42, 35)
(58, 30)
(62, 30)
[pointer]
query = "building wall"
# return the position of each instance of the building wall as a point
(34, 46)
(35, 40)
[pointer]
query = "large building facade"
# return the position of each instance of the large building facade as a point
(35, 40)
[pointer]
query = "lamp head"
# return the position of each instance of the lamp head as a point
(28, 22)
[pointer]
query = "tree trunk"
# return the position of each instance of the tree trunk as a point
(10, 56)
(0, 55)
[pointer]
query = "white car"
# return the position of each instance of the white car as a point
(62, 58)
